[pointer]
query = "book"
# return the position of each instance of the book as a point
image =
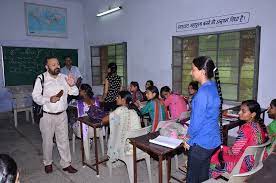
(166, 141)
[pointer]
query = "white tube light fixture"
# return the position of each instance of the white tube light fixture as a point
(109, 11)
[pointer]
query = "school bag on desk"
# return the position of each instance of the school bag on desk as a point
(96, 113)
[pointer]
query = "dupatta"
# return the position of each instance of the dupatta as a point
(158, 114)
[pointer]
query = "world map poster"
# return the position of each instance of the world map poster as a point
(44, 20)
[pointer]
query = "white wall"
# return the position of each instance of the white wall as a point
(13, 30)
(148, 26)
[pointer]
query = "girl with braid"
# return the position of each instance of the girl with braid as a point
(204, 131)
(252, 132)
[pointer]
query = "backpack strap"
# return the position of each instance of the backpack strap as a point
(42, 82)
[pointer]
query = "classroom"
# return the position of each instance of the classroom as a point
(137, 63)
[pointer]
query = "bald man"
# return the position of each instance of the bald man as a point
(57, 86)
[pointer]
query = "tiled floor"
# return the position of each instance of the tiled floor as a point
(24, 145)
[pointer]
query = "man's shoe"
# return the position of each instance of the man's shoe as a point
(48, 169)
(70, 169)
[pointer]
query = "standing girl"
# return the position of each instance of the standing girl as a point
(112, 86)
(203, 132)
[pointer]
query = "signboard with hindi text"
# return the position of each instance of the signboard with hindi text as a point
(211, 22)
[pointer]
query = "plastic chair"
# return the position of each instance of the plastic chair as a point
(258, 152)
(21, 103)
(239, 178)
(128, 158)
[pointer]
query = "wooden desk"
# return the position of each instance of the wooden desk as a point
(267, 173)
(86, 120)
(154, 150)
(234, 124)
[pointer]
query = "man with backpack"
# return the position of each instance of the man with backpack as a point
(51, 94)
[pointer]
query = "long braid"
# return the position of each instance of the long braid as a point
(260, 121)
(263, 127)
(220, 155)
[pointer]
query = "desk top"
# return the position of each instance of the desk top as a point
(143, 143)
(89, 122)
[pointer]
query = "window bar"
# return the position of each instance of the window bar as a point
(239, 67)
(256, 63)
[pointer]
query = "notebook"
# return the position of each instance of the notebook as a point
(166, 141)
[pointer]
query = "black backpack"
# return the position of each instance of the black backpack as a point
(38, 109)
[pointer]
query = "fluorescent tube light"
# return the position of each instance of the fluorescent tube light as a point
(109, 11)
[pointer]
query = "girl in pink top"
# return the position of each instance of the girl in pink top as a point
(175, 102)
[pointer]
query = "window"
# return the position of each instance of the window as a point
(101, 56)
(236, 55)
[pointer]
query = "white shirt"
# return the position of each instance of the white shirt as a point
(74, 70)
(51, 87)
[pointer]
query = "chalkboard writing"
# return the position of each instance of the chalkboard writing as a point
(23, 64)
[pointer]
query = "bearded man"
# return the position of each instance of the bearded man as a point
(53, 98)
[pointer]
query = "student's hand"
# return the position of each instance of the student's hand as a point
(70, 80)
(54, 99)
(186, 145)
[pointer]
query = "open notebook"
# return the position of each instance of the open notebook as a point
(166, 141)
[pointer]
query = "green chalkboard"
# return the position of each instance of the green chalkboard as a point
(23, 64)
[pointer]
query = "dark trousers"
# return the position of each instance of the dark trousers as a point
(198, 164)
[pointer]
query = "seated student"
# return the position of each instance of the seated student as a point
(8, 169)
(87, 102)
(272, 126)
(192, 90)
(154, 107)
(253, 132)
(136, 92)
(176, 103)
(148, 84)
(123, 119)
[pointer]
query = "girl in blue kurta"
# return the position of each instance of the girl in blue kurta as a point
(203, 132)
